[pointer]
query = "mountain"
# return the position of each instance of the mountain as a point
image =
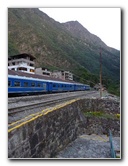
(62, 46)
(77, 30)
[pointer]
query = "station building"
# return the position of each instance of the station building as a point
(22, 62)
(43, 71)
(64, 75)
(25, 63)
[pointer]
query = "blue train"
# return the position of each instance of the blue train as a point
(29, 85)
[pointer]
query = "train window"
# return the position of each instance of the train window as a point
(54, 85)
(33, 84)
(16, 83)
(25, 84)
(38, 85)
(9, 83)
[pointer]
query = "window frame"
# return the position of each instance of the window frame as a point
(17, 84)
(10, 83)
(26, 85)
(33, 84)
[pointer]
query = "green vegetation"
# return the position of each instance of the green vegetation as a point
(117, 115)
(114, 89)
(58, 47)
(101, 114)
(12, 50)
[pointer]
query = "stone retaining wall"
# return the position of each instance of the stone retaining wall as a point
(44, 136)
(108, 106)
(100, 126)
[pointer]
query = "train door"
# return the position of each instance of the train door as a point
(75, 88)
(50, 87)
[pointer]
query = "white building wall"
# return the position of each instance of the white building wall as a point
(21, 63)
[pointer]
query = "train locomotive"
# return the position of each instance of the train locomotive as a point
(29, 85)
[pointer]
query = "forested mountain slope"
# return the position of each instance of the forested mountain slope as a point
(62, 46)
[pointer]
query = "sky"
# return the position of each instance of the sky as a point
(103, 22)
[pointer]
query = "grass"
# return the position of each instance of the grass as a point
(101, 114)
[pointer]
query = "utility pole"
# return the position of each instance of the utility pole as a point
(100, 74)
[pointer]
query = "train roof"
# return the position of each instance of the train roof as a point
(24, 75)
(36, 79)
(13, 73)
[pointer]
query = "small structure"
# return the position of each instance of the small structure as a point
(22, 62)
(64, 75)
(68, 75)
(43, 71)
(97, 87)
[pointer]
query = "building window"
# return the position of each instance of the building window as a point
(44, 73)
(31, 64)
(31, 70)
(17, 83)
(22, 68)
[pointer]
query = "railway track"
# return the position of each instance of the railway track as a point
(21, 107)
(44, 96)
(21, 104)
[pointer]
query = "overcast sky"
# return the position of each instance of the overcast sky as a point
(103, 22)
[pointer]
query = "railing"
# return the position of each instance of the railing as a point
(22, 60)
(113, 154)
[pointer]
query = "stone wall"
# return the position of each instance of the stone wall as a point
(100, 125)
(44, 136)
(108, 106)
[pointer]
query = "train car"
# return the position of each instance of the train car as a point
(58, 86)
(79, 87)
(18, 85)
(87, 87)
(29, 85)
(22, 85)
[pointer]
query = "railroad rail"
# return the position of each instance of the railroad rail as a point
(45, 96)
(24, 103)
(19, 107)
